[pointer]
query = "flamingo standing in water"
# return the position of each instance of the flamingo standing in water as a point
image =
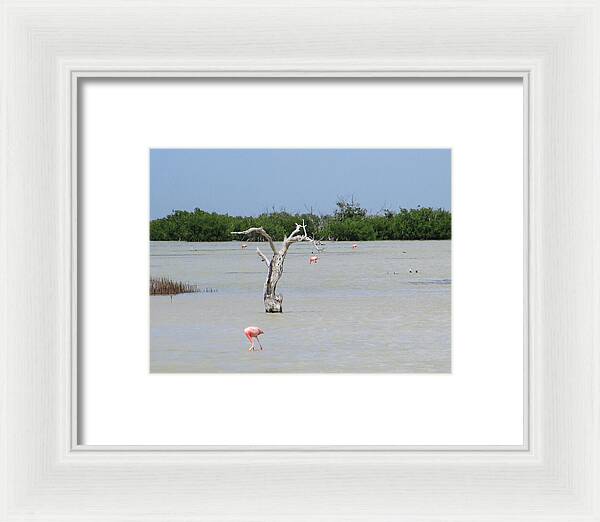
(354, 246)
(244, 246)
(313, 259)
(252, 332)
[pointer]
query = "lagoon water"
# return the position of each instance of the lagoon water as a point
(356, 311)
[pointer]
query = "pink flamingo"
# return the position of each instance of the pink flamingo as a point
(244, 246)
(354, 246)
(313, 259)
(252, 332)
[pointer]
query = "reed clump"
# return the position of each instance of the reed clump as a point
(166, 286)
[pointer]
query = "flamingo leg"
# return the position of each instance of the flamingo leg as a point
(251, 339)
(259, 342)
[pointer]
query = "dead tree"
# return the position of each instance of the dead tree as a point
(272, 299)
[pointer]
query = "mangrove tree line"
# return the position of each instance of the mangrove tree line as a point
(350, 222)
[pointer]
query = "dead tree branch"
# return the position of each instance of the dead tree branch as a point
(261, 232)
(263, 257)
(299, 234)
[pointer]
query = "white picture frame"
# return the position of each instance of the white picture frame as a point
(47, 475)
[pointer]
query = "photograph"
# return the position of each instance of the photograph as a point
(300, 260)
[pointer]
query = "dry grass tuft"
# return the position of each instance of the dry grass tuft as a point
(166, 286)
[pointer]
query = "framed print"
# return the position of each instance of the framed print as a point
(394, 320)
(255, 250)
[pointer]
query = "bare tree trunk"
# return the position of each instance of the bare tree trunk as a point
(273, 301)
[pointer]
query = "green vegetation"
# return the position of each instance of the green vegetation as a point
(350, 222)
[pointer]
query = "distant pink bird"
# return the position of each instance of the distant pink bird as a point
(244, 246)
(313, 259)
(252, 332)
(354, 246)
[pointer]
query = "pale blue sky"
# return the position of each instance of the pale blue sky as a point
(251, 181)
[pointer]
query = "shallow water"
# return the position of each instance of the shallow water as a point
(358, 311)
